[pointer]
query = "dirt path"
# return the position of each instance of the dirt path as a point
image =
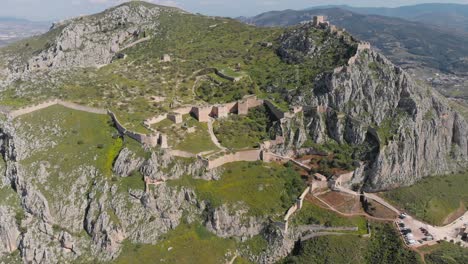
(330, 207)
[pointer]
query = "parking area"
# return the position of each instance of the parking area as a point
(415, 233)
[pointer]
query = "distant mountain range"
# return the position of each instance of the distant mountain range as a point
(422, 48)
(453, 16)
(13, 29)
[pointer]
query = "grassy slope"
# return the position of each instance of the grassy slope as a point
(433, 198)
(383, 247)
(312, 214)
(445, 253)
(186, 244)
(267, 189)
(80, 133)
(194, 44)
(180, 139)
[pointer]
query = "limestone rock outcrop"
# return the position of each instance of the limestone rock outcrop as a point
(127, 163)
(412, 128)
(9, 233)
(228, 222)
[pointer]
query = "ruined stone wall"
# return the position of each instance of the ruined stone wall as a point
(155, 120)
(295, 207)
(70, 105)
(246, 155)
(277, 113)
(361, 47)
(184, 110)
(175, 117)
(83, 108)
(220, 111)
(151, 140)
(30, 109)
(203, 113)
(232, 107)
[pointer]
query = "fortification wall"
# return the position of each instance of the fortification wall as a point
(83, 108)
(118, 125)
(155, 119)
(361, 47)
(277, 113)
(246, 155)
(183, 110)
(232, 107)
(203, 113)
(151, 140)
(295, 207)
(33, 108)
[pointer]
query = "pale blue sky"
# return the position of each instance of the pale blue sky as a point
(58, 9)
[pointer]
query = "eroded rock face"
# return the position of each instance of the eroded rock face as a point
(127, 163)
(92, 40)
(415, 132)
(9, 233)
(226, 222)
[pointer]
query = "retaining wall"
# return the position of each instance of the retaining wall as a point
(246, 155)
(277, 113)
(156, 119)
(296, 207)
(70, 105)
(30, 109)
(151, 140)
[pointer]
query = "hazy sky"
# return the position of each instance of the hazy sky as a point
(59, 9)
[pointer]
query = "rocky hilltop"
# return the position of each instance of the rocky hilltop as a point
(92, 41)
(73, 187)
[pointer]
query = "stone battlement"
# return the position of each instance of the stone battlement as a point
(319, 21)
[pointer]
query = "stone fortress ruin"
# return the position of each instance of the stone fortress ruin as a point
(206, 113)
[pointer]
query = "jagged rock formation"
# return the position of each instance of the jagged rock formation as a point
(127, 163)
(93, 40)
(410, 132)
(9, 232)
(412, 129)
(232, 222)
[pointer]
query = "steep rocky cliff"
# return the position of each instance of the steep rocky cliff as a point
(90, 41)
(413, 131)
(84, 208)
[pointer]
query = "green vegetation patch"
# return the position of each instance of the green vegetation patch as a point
(433, 198)
(188, 243)
(267, 189)
(237, 132)
(75, 139)
(311, 214)
(179, 137)
(383, 247)
(446, 253)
